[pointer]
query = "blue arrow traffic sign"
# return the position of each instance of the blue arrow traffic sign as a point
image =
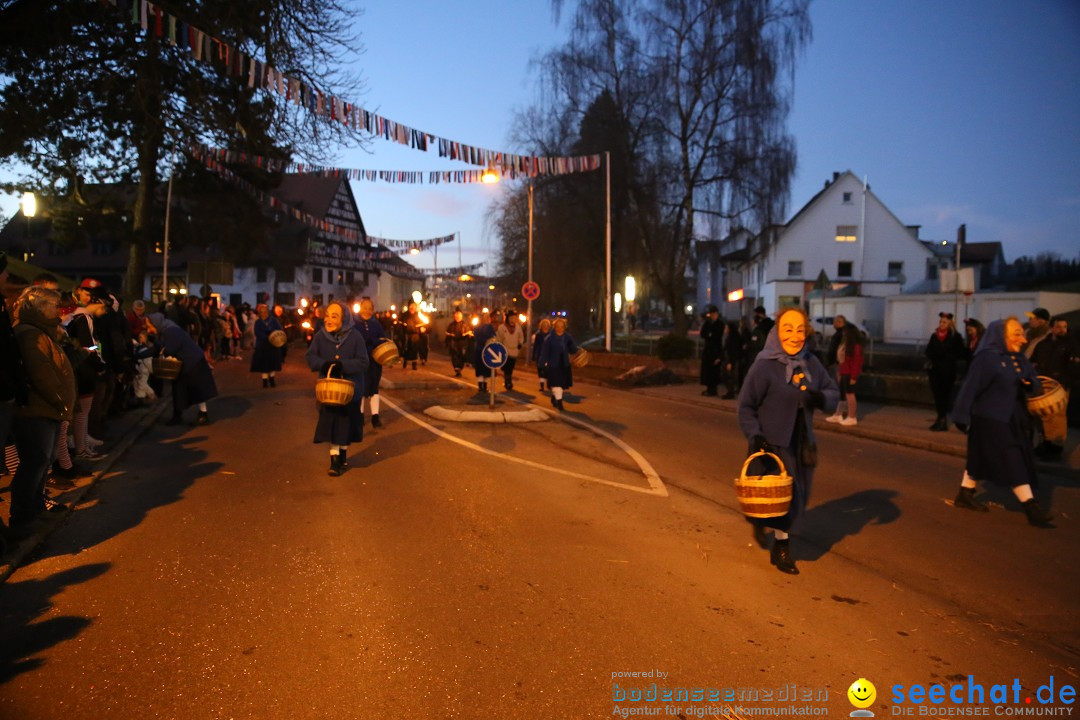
(494, 355)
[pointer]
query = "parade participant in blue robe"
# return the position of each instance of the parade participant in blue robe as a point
(992, 408)
(338, 350)
(372, 331)
(485, 333)
(196, 385)
(783, 387)
(555, 361)
(266, 358)
(537, 347)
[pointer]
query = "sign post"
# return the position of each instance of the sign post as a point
(822, 284)
(494, 357)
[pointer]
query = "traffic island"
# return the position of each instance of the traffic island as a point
(466, 413)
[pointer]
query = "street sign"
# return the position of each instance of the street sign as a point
(530, 290)
(494, 355)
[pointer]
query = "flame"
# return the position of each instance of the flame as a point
(423, 318)
(356, 308)
(522, 318)
(303, 302)
(475, 321)
(306, 325)
(393, 316)
(299, 311)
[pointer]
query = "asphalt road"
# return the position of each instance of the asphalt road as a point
(510, 571)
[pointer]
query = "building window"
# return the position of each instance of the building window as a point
(349, 277)
(895, 269)
(847, 198)
(286, 274)
(843, 268)
(286, 299)
(846, 233)
(316, 275)
(340, 278)
(789, 301)
(260, 274)
(794, 268)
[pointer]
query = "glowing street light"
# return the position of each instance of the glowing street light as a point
(631, 288)
(618, 302)
(29, 205)
(489, 176)
(417, 296)
(414, 251)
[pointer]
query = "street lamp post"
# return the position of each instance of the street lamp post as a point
(607, 253)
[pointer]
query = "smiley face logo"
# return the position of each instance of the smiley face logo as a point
(862, 693)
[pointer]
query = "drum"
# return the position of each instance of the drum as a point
(166, 368)
(386, 353)
(580, 359)
(1052, 401)
(763, 496)
(278, 338)
(333, 391)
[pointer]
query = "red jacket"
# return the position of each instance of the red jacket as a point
(852, 364)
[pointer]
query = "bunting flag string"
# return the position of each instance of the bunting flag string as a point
(330, 251)
(234, 63)
(453, 273)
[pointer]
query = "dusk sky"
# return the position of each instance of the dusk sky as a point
(963, 111)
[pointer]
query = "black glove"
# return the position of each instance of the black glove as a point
(758, 443)
(962, 427)
(815, 399)
(326, 366)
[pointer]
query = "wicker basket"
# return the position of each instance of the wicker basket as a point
(580, 359)
(763, 496)
(386, 353)
(1051, 402)
(333, 391)
(166, 368)
(278, 338)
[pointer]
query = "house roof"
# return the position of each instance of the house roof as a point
(981, 252)
(309, 192)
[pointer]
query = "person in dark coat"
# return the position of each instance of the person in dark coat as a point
(555, 359)
(944, 352)
(338, 350)
(732, 359)
(775, 410)
(762, 324)
(484, 334)
(1056, 357)
(712, 351)
(372, 331)
(458, 333)
(991, 407)
(13, 390)
(410, 323)
(266, 358)
(196, 385)
(50, 400)
(286, 324)
(537, 347)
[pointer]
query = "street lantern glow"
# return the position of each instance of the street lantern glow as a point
(356, 308)
(522, 318)
(631, 288)
(489, 176)
(491, 287)
(618, 302)
(735, 295)
(414, 251)
(464, 278)
(29, 205)
(303, 302)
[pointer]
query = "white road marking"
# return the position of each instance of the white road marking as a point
(656, 485)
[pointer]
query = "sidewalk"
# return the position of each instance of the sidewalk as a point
(895, 424)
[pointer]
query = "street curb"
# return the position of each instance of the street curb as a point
(486, 416)
(29, 544)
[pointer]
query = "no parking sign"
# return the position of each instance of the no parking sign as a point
(530, 290)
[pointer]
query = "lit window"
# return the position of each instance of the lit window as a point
(794, 268)
(843, 268)
(846, 233)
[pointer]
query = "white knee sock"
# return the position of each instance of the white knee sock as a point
(781, 535)
(1023, 492)
(266, 376)
(334, 449)
(374, 399)
(968, 481)
(557, 392)
(202, 407)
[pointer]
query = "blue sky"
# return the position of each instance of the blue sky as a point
(963, 111)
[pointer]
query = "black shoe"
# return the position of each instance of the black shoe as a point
(966, 499)
(413, 364)
(762, 537)
(273, 382)
(375, 421)
(554, 402)
(61, 482)
(336, 466)
(266, 383)
(509, 387)
(65, 473)
(1036, 516)
(939, 425)
(203, 418)
(483, 388)
(708, 393)
(559, 405)
(55, 506)
(780, 556)
(457, 373)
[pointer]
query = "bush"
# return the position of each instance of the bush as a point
(674, 347)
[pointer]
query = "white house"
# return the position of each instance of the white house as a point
(845, 231)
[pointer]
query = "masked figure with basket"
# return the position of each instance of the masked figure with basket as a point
(338, 351)
(783, 387)
(992, 407)
(266, 358)
(195, 383)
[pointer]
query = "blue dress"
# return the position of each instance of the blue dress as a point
(372, 332)
(555, 359)
(265, 358)
(340, 424)
(770, 405)
(537, 347)
(196, 382)
(484, 333)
